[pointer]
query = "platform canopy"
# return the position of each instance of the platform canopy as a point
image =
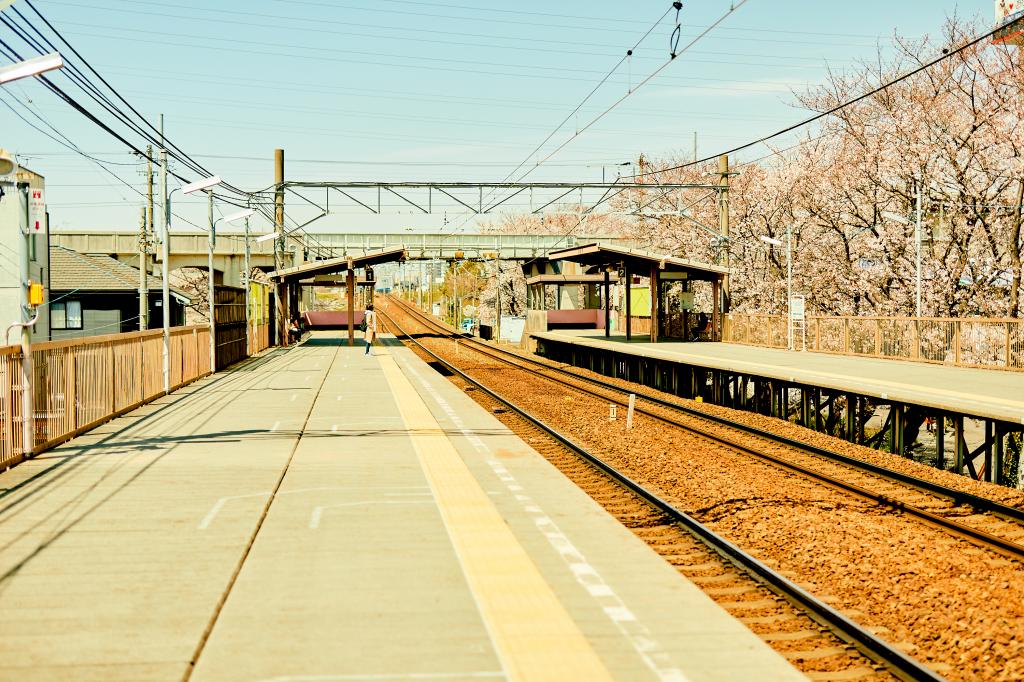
(309, 270)
(640, 262)
(566, 280)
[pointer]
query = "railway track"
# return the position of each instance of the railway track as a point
(984, 522)
(820, 640)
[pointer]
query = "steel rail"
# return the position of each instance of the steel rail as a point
(975, 535)
(876, 649)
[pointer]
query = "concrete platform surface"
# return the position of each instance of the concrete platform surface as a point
(983, 393)
(317, 514)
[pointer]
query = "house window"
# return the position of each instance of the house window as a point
(66, 315)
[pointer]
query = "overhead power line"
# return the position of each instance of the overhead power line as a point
(946, 54)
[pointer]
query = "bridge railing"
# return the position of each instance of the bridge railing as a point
(81, 383)
(989, 343)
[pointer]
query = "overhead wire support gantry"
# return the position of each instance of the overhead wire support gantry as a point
(458, 192)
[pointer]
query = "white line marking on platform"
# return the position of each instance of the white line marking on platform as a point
(318, 512)
(334, 428)
(275, 426)
(659, 662)
(219, 504)
(294, 396)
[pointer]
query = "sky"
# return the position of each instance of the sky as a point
(432, 90)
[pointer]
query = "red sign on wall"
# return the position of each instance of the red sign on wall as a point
(36, 210)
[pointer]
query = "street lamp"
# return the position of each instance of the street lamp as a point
(190, 188)
(8, 176)
(30, 67)
(245, 213)
(771, 241)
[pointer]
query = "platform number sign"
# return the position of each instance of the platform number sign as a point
(36, 211)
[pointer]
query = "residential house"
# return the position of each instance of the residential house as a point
(94, 294)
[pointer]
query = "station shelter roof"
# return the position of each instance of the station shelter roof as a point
(638, 261)
(613, 278)
(335, 265)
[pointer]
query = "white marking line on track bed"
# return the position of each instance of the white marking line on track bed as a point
(318, 512)
(275, 426)
(638, 635)
(294, 397)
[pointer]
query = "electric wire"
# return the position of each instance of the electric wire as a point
(946, 54)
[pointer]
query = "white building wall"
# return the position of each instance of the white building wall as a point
(11, 221)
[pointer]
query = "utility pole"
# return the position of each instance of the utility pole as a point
(27, 320)
(165, 268)
(248, 292)
(280, 288)
(497, 298)
(789, 286)
(211, 292)
(149, 190)
(695, 145)
(723, 225)
(144, 241)
(917, 251)
(143, 271)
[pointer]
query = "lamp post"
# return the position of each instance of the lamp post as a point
(8, 175)
(789, 280)
(191, 188)
(234, 217)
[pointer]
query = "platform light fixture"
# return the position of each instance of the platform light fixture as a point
(31, 67)
(199, 185)
(237, 216)
(772, 241)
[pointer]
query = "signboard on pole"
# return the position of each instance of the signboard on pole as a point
(797, 305)
(36, 211)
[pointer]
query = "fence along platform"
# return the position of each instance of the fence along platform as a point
(986, 343)
(835, 391)
(81, 383)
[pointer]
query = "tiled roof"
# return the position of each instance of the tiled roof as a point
(71, 270)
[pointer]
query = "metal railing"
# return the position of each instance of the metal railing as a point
(989, 343)
(81, 383)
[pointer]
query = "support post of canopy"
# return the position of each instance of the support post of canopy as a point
(655, 303)
(607, 304)
(629, 303)
(715, 321)
(350, 287)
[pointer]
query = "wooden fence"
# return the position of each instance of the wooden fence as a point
(989, 343)
(81, 383)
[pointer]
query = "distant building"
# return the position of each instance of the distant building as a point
(93, 295)
(12, 218)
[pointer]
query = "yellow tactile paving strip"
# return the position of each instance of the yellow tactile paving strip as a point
(535, 637)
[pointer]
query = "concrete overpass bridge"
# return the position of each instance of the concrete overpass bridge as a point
(190, 249)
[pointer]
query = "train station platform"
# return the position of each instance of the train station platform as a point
(981, 393)
(318, 514)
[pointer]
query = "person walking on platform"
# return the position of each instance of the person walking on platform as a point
(369, 327)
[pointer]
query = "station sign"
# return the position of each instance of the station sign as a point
(36, 210)
(797, 306)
